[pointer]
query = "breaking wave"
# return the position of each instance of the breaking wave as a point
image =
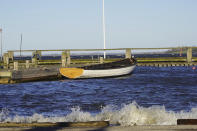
(128, 115)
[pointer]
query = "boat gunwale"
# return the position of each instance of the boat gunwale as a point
(119, 64)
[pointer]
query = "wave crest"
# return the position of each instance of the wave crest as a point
(128, 115)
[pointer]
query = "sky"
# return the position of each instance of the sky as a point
(77, 24)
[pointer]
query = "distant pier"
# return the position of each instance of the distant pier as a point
(16, 69)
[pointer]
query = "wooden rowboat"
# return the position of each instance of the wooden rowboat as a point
(112, 69)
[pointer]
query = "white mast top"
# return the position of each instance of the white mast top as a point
(21, 44)
(104, 28)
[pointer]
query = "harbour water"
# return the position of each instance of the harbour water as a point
(150, 96)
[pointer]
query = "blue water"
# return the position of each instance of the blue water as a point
(174, 88)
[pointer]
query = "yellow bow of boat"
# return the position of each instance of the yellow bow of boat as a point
(71, 73)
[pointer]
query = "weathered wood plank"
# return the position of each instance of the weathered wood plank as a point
(187, 122)
(36, 74)
(59, 124)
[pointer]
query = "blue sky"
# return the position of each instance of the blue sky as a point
(75, 24)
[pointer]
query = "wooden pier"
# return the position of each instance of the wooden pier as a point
(36, 69)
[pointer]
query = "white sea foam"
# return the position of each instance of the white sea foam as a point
(128, 115)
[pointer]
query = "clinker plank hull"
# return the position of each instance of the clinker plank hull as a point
(113, 69)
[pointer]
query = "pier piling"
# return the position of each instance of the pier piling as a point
(65, 58)
(27, 64)
(128, 53)
(68, 60)
(5, 60)
(101, 60)
(16, 65)
(35, 58)
(189, 55)
(11, 55)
